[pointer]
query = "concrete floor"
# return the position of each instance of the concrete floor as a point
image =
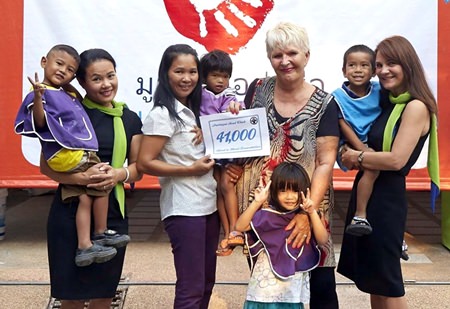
(149, 271)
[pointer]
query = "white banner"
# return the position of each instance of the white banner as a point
(137, 32)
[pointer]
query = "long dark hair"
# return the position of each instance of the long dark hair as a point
(399, 50)
(288, 175)
(164, 95)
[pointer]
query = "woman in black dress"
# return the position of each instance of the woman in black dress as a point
(119, 132)
(397, 136)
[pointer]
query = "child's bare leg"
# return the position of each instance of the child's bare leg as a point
(223, 248)
(83, 221)
(100, 211)
(359, 225)
(365, 187)
(223, 215)
(102, 234)
(230, 198)
(221, 204)
(235, 238)
(88, 250)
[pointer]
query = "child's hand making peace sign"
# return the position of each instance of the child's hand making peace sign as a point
(38, 88)
(262, 192)
(307, 203)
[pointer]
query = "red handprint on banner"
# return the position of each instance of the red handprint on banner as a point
(218, 24)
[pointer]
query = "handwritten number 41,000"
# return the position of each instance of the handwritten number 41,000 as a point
(236, 135)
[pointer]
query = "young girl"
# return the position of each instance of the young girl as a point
(216, 68)
(273, 259)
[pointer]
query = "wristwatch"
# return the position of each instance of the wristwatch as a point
(361, 157)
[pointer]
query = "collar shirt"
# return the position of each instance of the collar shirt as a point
(181, 195)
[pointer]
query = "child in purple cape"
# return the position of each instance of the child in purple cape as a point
(272, 257)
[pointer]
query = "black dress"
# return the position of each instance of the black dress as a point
(68, 281)
(373, 261)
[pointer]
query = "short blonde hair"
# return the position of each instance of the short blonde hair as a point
(285, 34)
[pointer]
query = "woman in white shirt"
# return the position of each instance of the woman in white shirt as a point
(172, 149)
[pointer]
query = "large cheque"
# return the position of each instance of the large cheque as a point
(229, 136)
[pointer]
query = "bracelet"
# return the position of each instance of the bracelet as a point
(127, 175)
(361, 157)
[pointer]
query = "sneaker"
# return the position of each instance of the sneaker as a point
(111, 238)
(405, 255)
(359, 227)
(94, 254)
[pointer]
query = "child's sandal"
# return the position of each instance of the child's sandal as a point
(236, 239)
(224, 249)
(359, 227)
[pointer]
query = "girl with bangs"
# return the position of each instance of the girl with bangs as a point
(280, 272)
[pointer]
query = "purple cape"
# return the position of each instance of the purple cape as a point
(268, 233)
(68, 125)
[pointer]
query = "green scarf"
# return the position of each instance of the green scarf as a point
(400, 104)
(120, 142)
(433, 150)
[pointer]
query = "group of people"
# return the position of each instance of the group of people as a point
(283, 202)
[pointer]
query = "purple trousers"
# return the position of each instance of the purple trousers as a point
(194, 242)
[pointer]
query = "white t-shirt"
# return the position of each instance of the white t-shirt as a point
(181, 195)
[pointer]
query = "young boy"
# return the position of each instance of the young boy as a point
(68, 142)
(358, 99)
(216, 68)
